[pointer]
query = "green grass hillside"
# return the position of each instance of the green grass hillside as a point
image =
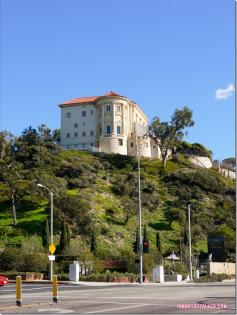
(97, 193)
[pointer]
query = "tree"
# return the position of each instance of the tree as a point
(229, 163)
(158, 244)
(6, 141)
(35, 148)
(167, 134)
(10, 175)
(65, 237)
(45, 234)
(56, 136)
(93, 242)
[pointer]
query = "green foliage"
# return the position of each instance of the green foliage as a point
(214, 278)
(203, 179)
(93, 242)
(12, 259)
(65, 237)
(168, 134)
(45, 234)
(119, 161)
(75, 208)
(158, 243)
(196, 149)
(32, 245)
(229, 163)
(97, 193)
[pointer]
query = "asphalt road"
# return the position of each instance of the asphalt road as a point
(120, 299)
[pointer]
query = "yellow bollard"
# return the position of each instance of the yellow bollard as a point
(55, 289)
(18, 291)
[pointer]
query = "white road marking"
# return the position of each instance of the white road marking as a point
(119, 308)
(143, 298)
(55, 310)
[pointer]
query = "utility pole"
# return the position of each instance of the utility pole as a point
(190, 244)
(139, 215)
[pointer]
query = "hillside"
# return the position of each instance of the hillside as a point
(96, 194)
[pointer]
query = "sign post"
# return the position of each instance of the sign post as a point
(52, 249)
(55, 289)
(18, 291)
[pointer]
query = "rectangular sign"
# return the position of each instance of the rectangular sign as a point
(51, 257)
(216, 248)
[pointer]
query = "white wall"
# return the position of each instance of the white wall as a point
(125, 118)
(67, 125)
(201, 161)
(221, 267)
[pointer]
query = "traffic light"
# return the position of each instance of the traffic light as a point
(136, 243)
(145, 246)
(135, 249)
(145, 242)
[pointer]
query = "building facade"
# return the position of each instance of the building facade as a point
(110, 123)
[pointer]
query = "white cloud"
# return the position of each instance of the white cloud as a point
(222, 94)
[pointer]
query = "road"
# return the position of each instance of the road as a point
(119, 299)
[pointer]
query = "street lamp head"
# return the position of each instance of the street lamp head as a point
(39, 185)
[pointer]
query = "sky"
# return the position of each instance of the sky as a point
(162, 54)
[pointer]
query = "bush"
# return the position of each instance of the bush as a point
(205, 180)
(196, 149)
(12, 259)
(214, 278)
(109, 276)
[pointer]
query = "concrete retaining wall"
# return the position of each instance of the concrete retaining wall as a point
(201, 161)
(219, 267)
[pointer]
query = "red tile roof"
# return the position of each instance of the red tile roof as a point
(81, 100)
(88, 99)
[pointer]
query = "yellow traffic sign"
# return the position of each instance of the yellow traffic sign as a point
(52, 248)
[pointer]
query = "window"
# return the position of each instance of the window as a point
(84, 113)
(146, 145)
(118, 108)
(83, 124)
(92, 133)
(75, 125)
(120, 141)
(68, 135)
(100, 131)
(131, 144)
(92, 144)
(108, 130)
(100, 109)
(108, 108)
(68, 115)
(83, 145)
(83, 134)
(118, 130)
(92, 112)
(75, 134)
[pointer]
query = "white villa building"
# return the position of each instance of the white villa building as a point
(110, 123)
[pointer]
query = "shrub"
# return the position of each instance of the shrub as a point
(12, 259)
(214, 278)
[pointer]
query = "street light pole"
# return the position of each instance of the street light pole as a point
(139, 215)
(140, 220)
(190, 244)
(51, 226)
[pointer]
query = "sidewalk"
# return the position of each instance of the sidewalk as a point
(99, 284)
(169, 283)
